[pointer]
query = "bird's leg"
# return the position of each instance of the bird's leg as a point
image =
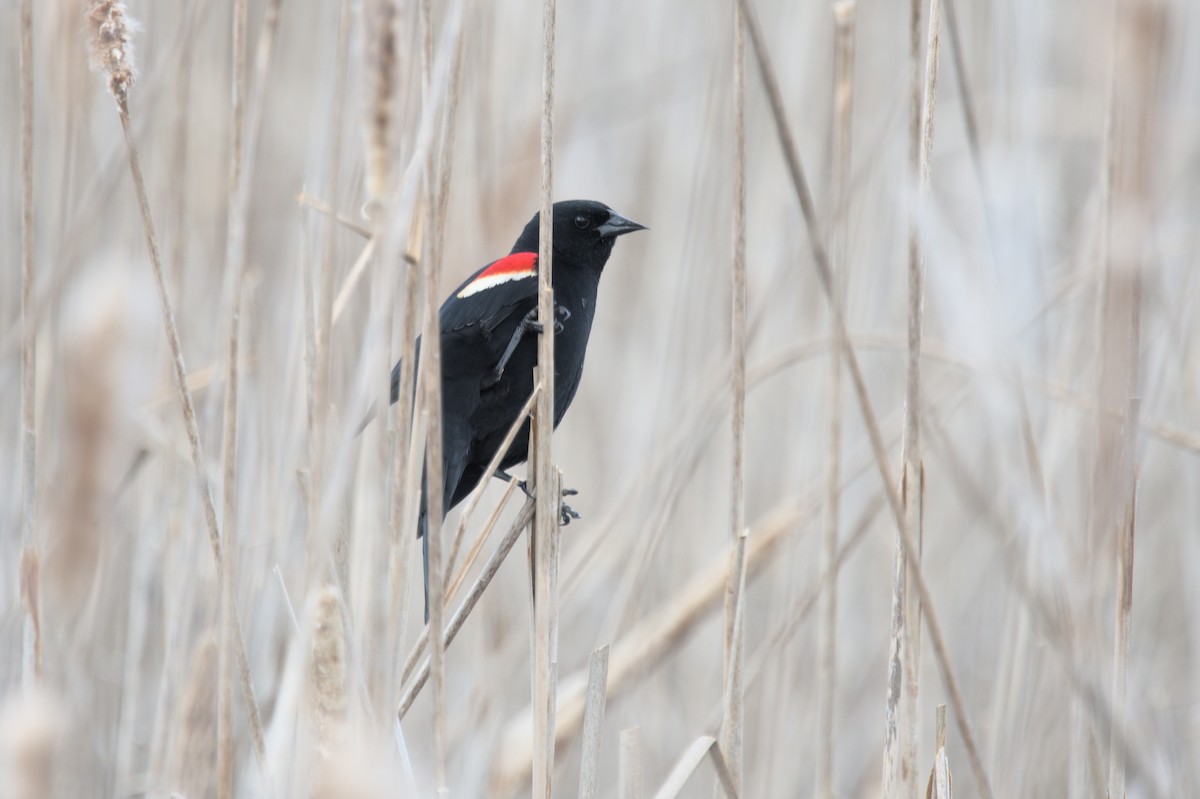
(528, 323)
(568, 513)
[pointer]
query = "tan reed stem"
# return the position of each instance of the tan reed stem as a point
(30, 568)
(544, 542)
(843, 94)
(732, 726)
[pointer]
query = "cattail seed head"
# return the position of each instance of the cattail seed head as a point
(110, 40)
(327, 678)
(380, 70)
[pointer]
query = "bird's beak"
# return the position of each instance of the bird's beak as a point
(618, 225)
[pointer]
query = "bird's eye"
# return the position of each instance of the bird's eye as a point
(581, 222)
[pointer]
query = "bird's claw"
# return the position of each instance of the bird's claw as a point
(567, 512)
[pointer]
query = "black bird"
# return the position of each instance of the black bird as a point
(489, 330)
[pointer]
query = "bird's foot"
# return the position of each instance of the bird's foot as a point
(567, 512)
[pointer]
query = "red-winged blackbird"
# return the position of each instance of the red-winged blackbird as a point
(489, 332)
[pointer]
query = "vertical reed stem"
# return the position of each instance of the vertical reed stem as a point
(31, 657)
(843, 79)
(734, 652)
(547, 501)
(431, 399)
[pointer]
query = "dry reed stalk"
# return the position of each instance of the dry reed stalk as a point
(913, 473)
(194, 749)
(544, 540)
(31, 733)
(405, 444)
(824, 273)
(469, 602)
(732, 726)
(1138, 55)
(843, 97)
(630, 779)
(593, 723)
(110, 39)
(1124, 621)
(318, 433)
(31, 656)
(941, 783)
(645, 645)
(234, 264)
(687, 764)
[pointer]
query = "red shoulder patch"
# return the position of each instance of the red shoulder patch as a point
(516, 266)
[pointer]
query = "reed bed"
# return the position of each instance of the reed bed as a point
(886, 446)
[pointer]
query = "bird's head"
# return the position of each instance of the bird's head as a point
(584, 231)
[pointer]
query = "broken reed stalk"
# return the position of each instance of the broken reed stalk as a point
(843, 97)
(687, 764)
(544, 540)
(871, 422)
(469, 602)
(899, 732)
(631, 781)
(941, 785)
(111, 45)
(733, 648)
(593, 722)
(234, 267)
(31, 639)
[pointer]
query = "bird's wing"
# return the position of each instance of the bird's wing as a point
(490, 296)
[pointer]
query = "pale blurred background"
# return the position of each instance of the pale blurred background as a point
(1019, 263)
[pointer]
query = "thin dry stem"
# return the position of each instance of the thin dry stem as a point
(546, 507)
(233, 266)
(913, 470)
(734, 648)
(843, 70)
(31, 658)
